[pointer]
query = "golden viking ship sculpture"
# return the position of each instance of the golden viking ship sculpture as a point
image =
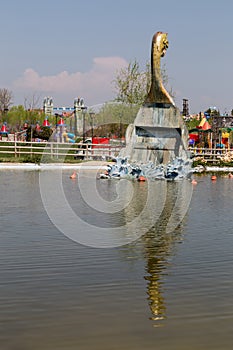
(157, 93)
(158, 134)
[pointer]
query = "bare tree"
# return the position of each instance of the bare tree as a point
(32, 102)
(6, 99)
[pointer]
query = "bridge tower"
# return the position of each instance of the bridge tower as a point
(48, 106)
(79, 108)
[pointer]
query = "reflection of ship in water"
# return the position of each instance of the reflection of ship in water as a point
(158, 243)
(155, 254)
(155, 268)
(158, 247)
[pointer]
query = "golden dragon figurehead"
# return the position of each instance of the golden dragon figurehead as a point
(160, 43)
(158, 94)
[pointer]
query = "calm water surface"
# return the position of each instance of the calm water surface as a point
(164, 291)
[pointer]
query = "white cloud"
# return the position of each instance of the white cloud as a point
(94, 86)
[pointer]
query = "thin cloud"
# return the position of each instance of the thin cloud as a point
(94, 85)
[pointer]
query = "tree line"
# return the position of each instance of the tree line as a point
(131, 85)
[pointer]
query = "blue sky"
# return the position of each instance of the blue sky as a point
(72, 48)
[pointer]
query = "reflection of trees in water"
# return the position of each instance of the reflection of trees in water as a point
(158, 244)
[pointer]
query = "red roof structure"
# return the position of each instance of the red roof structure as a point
(46, 122)
(3, 129)
(61, 122)
(204, 125)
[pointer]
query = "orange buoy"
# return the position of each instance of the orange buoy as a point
(73, 176)
(213, 177)
(141, 178)
(194, 182)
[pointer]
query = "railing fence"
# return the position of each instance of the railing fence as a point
(211, 154)
(56, 150)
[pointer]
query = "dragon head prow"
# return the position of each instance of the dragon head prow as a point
(160, 42)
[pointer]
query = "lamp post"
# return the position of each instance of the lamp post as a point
(215, 128)
(84, 109)
(92, 126)
(76, 109)
(56, 116)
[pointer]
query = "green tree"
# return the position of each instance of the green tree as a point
(113, 117)
(192, 124)
(16, 117)
(132, 84)
(212, 112)
(44, 133)
(112, 112)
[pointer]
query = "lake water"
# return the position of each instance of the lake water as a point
(168, 289)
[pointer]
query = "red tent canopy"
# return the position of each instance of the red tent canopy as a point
(3, 129)
(206, 126)
(61, 122)
(46, 122)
